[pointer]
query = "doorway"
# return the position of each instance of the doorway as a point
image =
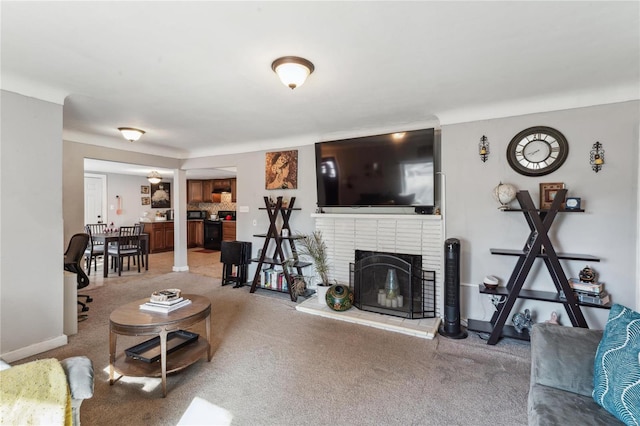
(95, 198)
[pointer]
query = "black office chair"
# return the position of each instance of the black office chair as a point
(72, 259)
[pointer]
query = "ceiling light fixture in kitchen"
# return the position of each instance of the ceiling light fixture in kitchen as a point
(292, 70)
(131, 134)
(154, 177)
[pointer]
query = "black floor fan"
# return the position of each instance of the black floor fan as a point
(450, 326)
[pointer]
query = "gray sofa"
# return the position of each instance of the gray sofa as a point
(562, 377)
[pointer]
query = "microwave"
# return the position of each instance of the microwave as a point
(196, 214)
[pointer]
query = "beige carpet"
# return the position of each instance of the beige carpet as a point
(273, 365)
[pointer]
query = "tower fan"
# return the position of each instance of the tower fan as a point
(450, 326)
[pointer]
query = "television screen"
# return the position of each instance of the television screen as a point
(395, 169)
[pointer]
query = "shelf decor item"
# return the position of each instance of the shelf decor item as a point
(339, 297)
(596, 157)
(548, 193)
(504, 193)
(573, 203)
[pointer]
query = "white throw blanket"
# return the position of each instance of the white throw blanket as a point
(35, 393)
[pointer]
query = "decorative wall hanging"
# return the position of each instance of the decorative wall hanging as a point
(144, 189)
(161, 195)
(596, 157)
(281, 170)
(483, 148)
(145, 200)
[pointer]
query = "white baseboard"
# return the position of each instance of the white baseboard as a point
(180, 269)
(34, 349)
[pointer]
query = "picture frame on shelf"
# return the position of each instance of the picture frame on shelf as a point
(548, 191)
(573, 203)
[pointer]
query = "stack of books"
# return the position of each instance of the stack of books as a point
(165, 306)
(593, 293)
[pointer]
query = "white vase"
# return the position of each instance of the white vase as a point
(321, 291)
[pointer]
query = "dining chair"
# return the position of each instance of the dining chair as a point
(128, 246)
(93, 252)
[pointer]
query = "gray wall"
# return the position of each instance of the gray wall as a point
(31, 142)
(31, 243)
(607, 229)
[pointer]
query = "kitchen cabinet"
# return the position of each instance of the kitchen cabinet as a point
(195, 233)
(229, 230)
(194, 191)
(207, 189)
(233, 190)
(160, 236)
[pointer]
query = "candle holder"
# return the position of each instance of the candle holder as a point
(483, 148)
(596, 158)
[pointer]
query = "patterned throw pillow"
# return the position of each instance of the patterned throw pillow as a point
(616, 378)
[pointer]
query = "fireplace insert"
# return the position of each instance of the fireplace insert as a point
(393, 284)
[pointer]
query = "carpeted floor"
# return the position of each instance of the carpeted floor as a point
(273, 365)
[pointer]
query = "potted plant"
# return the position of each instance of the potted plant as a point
(314, 247)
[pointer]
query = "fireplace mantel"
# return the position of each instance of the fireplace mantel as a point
(396, 233)
(396, 216)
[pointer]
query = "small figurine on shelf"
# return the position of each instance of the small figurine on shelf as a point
(522, 321)
(587, 275)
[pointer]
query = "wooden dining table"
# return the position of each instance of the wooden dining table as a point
(111, 237)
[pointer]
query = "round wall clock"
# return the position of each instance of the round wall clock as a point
(537, 151)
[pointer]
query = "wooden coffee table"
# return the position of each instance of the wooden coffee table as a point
(129, 320)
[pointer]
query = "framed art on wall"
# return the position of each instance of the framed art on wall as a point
(144, 189)
(281, 170)
(161, 195)
(145, 201)
(548, 193)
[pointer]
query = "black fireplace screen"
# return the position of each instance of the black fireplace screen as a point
(393, 284)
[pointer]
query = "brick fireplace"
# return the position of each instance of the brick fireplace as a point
(413, 234)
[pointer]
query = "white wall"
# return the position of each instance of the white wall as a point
(127, 187)
(607, 229)
(31, 243)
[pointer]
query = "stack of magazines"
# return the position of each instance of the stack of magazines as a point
(593, 293)
(165, 301)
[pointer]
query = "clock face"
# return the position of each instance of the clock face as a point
(537, 151)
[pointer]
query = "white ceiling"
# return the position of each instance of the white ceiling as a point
(197, 75)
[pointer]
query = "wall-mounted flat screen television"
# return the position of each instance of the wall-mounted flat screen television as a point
(395, 169)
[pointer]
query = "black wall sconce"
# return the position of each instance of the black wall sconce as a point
(483, 148)
(596, 157)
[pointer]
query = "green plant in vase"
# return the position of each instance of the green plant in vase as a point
(314, 247)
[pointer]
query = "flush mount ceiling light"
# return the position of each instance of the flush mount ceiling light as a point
(292, 70)
(131, 134)
(154, 177)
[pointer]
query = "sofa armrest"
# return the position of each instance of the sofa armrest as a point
(79, 370)
(562, 357)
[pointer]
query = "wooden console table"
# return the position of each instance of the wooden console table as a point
(129, 320)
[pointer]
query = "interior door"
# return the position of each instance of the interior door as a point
(95, 209)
